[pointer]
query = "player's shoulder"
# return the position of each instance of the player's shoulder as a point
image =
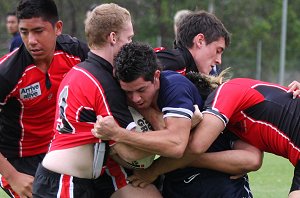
(72, 45)
(171, 59)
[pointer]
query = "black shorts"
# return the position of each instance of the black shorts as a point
(48, 184)
(27, 165)
(296, 178)
(206, 184)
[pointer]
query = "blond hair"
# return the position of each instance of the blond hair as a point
(179, 15)
(103, 20)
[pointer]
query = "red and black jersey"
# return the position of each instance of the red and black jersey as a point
(178, 59)
(260, 113)
(88, 90)
(28, 97)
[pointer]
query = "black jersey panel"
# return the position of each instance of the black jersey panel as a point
(10, 128)
(279, 110)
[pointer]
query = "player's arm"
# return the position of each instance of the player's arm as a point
(202, 137)
(205, 133)
(128, 153)
(125, 155)
(21, 183)
(170, 142)
(241, 160)
(156, 120)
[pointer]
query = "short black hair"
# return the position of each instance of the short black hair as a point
(201, 22)
(136, 60)
(13, 13)
(46, 9)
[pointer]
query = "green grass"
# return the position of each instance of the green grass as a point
(273, 180)
(3, 194)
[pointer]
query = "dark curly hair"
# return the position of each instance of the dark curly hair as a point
(136, 60)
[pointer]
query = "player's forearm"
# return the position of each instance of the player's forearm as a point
(164, 165)
(251, 156)
(157, 142)
(6, 169)
(234, 162)
(205, 133)
(129, 153)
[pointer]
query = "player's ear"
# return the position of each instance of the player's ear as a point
(199, 40)
(112, 38)
(156, 75)
(58, 27)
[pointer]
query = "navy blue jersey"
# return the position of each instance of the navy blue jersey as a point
(16, 42)
(181, 61)
(177, 95)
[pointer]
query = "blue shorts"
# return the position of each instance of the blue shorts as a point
(205, 184)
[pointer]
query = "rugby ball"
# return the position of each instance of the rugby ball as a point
(142, 125)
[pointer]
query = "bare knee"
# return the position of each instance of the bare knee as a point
(129, 191)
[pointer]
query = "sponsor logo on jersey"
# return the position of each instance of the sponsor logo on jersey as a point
(191, 178)
(144, 125)
(31, 91)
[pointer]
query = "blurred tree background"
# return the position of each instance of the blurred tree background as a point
(249, 21)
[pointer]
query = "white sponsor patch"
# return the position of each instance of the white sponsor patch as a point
(31, 91)
(142, 126)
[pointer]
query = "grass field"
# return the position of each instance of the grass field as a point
(3, 194)
(273, 180)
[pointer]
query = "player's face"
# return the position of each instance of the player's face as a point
(140, 92)
(39, 37)
(209, 55)
(12, 24)
(125, 36)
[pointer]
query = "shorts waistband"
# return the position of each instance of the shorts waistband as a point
(48, 173)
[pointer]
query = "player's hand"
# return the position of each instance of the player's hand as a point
(22, 184)
(295, 88)
(237, 176)
(142, 178)
(197, 116)
(105, 128)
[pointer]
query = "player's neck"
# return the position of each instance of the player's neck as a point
(105, 54)
(43, 65)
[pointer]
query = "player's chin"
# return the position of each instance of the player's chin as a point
(141, 106)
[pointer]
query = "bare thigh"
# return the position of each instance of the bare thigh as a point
(130, 191)
(294, 194)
